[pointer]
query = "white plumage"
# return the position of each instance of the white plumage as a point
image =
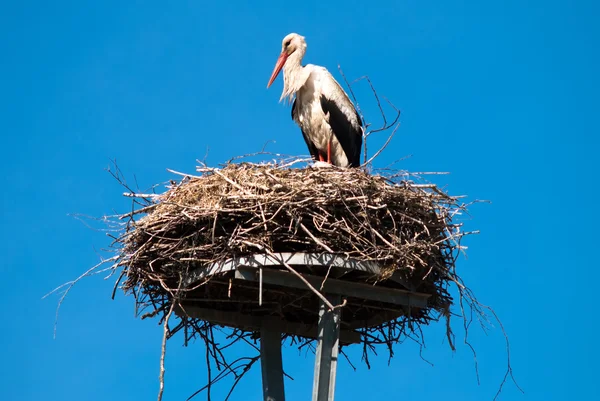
(327, 118)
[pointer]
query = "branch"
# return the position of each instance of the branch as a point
(70, 285)
(161, 376)
(384, 127)
(383, 147)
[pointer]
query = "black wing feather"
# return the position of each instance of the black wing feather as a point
(314, 152)
(347, 134)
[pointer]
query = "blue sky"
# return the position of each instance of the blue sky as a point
(501, 94)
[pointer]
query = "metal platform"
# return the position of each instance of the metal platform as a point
(324, 272)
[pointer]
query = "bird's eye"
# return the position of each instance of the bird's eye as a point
(286, 44)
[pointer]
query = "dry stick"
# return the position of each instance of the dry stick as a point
(362, 116)
(304, 280)
(237, 380)
(388, 126)
(70, 285)
(306, 230)
(161, 376)
(384, 126)
(378, 104)
(466, 329)
(209, 370)
(184, 175)
(349, 88)
(235, 184)
(136, 195)
(118, 175)
(205, 155)
(509, 371)
(261, 152)
(384, 146)
(142, 210)
(449, 333)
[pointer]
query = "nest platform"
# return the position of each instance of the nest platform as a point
(257, 290)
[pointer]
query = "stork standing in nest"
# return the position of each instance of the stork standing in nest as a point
(327, 118)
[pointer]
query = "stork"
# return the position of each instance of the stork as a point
(329, 122)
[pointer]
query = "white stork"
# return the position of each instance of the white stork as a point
(327, 118)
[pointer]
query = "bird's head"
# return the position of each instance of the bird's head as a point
(291, 44)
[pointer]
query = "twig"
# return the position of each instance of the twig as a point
(136, 195)
(161, 376)
(304, 280)
(383, 147)
(306, 230)
(70, 285)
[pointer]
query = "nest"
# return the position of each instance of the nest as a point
(166, 249)
(247, 209)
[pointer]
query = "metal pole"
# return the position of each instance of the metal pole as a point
(271, 365)
(327, 351)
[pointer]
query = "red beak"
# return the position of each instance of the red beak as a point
(278, 66)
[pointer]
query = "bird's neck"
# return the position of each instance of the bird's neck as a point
(294, 75)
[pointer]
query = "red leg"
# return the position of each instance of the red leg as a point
(329, 151)
(321, 158)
